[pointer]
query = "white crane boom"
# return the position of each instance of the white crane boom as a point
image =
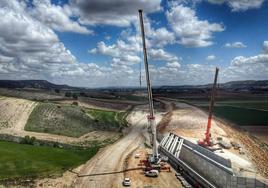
(151, 117)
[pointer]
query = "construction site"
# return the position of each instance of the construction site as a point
(142, 138)
(175, 144)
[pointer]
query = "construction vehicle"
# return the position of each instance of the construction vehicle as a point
(152, 173)
(207, 141)
(155, 158)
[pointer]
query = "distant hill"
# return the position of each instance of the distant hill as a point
(246, 85)
(233, 86)
(36, 84)
(251, 86)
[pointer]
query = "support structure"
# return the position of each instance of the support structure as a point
(151, 118)
(207, 141)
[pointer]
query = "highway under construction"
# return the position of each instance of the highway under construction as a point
(170, 143)
(176, 154)
(196, 162)
(134, 93)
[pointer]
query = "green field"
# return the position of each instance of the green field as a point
(72, 120)
(251, 113)
(242, 116)
(133, 98)
(20, 160)
(112, 118)
(259, 105)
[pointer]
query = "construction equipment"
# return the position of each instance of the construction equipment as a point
(207, 141)
(152, 173)
(155, 159)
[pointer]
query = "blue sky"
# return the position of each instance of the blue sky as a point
(249, 27)
(96, 43)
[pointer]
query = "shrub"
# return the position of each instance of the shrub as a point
(75, 103)
(55, 145)
(32, 139)
(82, 94)
(68, 94)
(28, 140)
(75, 96)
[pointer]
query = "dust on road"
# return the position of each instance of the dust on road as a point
(112, 158)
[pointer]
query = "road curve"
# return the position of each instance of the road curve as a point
(112, 158)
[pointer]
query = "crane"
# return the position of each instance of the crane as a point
(207, 141)
(155, 159)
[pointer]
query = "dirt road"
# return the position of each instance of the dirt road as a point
(112, 158)
(165, 179)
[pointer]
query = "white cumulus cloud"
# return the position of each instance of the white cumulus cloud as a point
(161, 55)
(235, 45)
(56, 17)
(211, 58)
(240, 5)
(191, 31)
(258, 59)
(265, 47)
(115, 12)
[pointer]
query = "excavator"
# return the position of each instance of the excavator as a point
(207, 141)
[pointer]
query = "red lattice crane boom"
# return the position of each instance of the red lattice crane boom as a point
(207, 141)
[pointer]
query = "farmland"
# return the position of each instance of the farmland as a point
(33, 94)
(254, 104)
(20, 160)
(259, 105)
(243, 113)
(72, 120)
(242, 116)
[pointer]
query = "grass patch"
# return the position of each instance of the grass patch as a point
(72, 120)
(259, 105)
(243, 112)
(133, 98)
(241, 116)
(113, 119)
(20, 160)
(256, 104)
(68, 120)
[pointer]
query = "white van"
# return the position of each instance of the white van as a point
(126, 182)
(152, 173)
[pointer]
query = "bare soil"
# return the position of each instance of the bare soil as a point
(14, 113)
(190, 122)
(112, 159)
(90, 104)
(166, 178)
(105, 103)
(260, 132)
